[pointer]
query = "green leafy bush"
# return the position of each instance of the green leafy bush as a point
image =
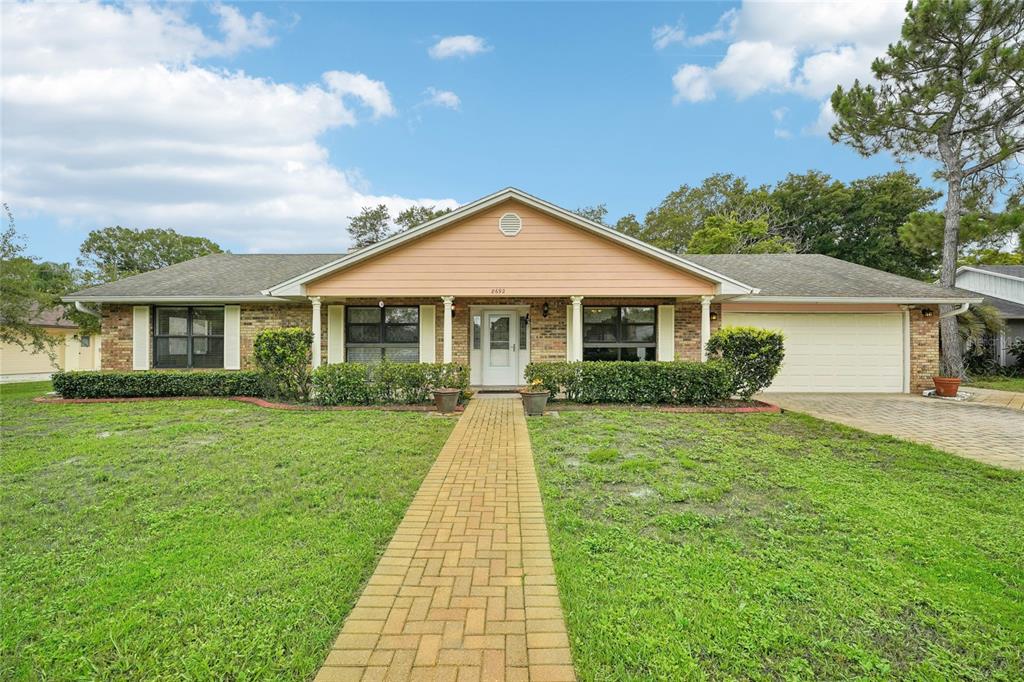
(284, 358)
(385, 383)
(641, 383)
(756, 355)
(156, 383)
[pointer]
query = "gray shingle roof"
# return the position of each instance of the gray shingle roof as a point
(222, 274)
(1012, 270)
(815, 275)
(1006, 308)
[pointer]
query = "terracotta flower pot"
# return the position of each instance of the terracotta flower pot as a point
(946, 387)
(534, 402)
(445, 399)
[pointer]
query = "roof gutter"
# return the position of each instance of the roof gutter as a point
(82, 308)
(956, 311)
(857, 300)
(174, 299)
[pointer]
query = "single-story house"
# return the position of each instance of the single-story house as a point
(71, 350)
(511, 279)
(1003, 288)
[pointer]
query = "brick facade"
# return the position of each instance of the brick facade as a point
(547, 334)
(924, 348)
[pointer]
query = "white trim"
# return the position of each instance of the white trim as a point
(907, 350)
(577, 328)
(446, 341)
(569, 355)
(316, 350)
(232, 337)
(428, 333)
(854, 300)
(155, 300)
(335, 334)
(968, 268)
(705, 326)
(666, 333)
(725, 285)
(140, 337)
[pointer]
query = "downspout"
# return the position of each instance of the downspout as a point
(955, 311)
(83, 308)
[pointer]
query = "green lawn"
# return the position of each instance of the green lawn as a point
(778, 547)
(999, 383)
(193, 539)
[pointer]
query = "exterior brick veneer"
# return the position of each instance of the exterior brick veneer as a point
(924, 348)
(547, 334)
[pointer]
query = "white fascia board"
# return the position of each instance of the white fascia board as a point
(988, 272)
(855, 300)
(174, 299)
(490, 200)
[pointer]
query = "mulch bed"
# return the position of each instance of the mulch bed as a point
(731, 407)
(259, 402)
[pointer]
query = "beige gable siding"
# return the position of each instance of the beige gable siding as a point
(547, 258)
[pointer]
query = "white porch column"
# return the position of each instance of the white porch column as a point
(316, 331)
(446, 341)
(577, 328)
(705, 325)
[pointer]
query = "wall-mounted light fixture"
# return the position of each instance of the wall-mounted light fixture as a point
(714, 316)
(544, 310)
(926, 312)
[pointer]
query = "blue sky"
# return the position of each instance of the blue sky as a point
(220, 120)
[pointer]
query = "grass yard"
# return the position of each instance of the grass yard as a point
(999, 383)
(778, 546)
(192, 539)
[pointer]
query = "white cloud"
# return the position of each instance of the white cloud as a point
(371, 93)
(826, 119)
(693, 84)
(804, 48)
(109, 117)
(443, 98)
(779, 114)
(666, 35)
(458, 46)
(782, 133)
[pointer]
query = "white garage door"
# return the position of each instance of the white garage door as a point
(839, 352)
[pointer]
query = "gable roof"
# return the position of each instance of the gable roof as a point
(294, 286)
(1010, 309)
(1011, 271)
(812, 276)
(221, 277)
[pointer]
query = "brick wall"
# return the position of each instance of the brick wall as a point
(547, 334)
(924, 349)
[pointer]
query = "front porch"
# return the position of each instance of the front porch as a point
(498, 336)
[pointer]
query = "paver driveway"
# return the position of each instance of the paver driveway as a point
(987, 433)
(466, 589)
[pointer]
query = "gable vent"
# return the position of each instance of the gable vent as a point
(510, 224)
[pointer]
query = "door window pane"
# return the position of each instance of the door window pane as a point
(524, 334)
(476, 332)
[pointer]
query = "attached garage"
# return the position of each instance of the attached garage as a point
(835, 352)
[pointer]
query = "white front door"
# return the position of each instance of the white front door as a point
(499, 346)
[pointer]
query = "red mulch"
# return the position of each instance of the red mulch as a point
(752, 406)
(260, 402)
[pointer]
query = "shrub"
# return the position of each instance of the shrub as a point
(156, 383)
(283, 356)
(755, 354)
(385, 383)
(644, 383)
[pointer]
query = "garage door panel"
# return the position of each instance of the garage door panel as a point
(840, 352)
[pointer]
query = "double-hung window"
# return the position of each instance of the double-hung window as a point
(188, 336)
(619, 333)
(373, 333)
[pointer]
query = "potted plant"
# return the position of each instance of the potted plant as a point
(946, 387)
(535, 398)
(445, 399)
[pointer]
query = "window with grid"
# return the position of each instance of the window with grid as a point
(619, 333)
(188, 337)
(373, 333)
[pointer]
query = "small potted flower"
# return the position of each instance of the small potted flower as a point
(445, 399)
(535, 398)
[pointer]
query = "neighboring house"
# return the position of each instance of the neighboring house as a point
(1003, 289)
(71, 351)
(510, 279)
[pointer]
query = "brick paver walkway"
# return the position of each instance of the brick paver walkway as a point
(466, 589)
(990, 434)
(988, 396)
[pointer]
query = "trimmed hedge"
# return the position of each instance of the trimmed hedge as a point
(755, 353)
(385, 383)
(640, 383)
(156, 383)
